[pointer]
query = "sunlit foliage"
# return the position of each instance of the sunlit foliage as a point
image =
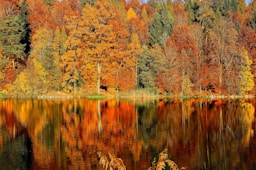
(115, 46)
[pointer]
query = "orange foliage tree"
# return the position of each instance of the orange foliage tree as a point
(183, 43)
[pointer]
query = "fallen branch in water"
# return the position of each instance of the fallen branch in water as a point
(110, 161)
(163, 161)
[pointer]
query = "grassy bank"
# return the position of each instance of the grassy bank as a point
(138, 93)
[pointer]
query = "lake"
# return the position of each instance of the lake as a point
(81, 133)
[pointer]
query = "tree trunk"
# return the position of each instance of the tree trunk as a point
(220, 77)
(183, 82)
(98, 78)
(13, 63)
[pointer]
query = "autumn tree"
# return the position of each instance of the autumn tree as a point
(248, 40)
(70, 73)
(58, 50)
(122, 76)
(184, 44)
(135, 49)
(137, 25)
(9, 8)
(252, 4)
(169, 78)
(60, 10)
(246, 76)
(40, 67)
(223, 55)
(42, 53)
(95, 43)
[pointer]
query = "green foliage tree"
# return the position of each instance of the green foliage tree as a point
(48, 2)
(12, 32)
(192, 9)
(252, 23)
(146, 74)
(43, 53)
(205, 17)
(25, 39)
(83, 2)
(150, 63)
(161, 25)
(58, 50)
(225, 6)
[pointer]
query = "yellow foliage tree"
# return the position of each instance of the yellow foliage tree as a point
(20, 86)
(70, 73)
(131, 14)
(93, 41)
(246, 76)
(135, 49)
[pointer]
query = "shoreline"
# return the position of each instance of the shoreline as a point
(131, 96)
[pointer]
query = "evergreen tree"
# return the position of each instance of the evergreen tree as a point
(252, 23)
(192, 9)
(14, 35)
(83, 2)
(162, 25)
(144, 15)
(150, 63)
(225, 6)
(26, 34)
(146, 75)
(12, 32)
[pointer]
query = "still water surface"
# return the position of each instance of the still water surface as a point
(67, 134)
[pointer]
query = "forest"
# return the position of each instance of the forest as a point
(178, 47)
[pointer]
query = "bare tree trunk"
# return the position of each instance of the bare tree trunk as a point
(98, 78)
(13, 63)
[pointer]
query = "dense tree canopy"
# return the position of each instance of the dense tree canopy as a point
(85, 46)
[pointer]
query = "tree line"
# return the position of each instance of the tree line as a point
(168, 47)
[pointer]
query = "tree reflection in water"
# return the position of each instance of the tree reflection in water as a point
(67, 134)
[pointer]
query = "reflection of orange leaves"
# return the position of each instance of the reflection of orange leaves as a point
(127, 113)
(161, 111)
(136, 149)
(42, 155)
(10, 121)
(8, 106)
(123, 112)
(218, 103)
(2, 120)
(118, 121)
(71, 135)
